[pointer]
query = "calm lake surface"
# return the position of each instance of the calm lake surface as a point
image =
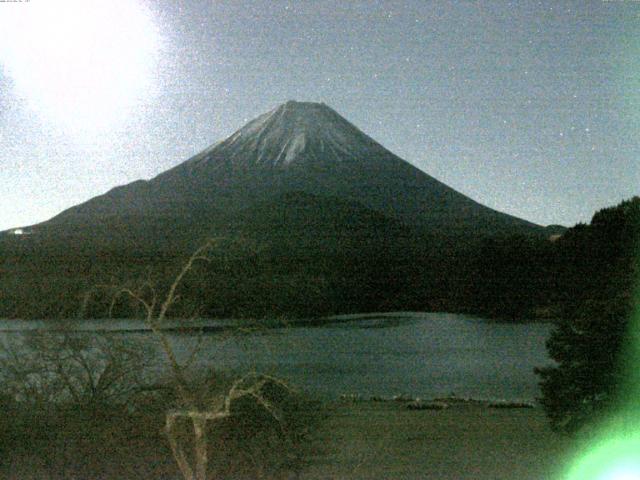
(419, 354)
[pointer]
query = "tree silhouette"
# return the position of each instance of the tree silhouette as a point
(588, 343)
(197, 409)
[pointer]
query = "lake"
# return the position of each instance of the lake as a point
(419, 354)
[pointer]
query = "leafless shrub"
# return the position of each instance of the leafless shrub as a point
(66, 400)
(45, 368)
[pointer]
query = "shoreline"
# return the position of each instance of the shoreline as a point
(212, 325)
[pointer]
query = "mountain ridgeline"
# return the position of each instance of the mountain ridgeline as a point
(313, 216)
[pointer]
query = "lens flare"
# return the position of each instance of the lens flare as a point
(614, 458)
(624, 472)
(615, 454)
(81, 63)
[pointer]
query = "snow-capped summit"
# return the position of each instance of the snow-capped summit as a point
(294, 132)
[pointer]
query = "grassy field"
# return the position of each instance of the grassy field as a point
(384, 440)
(357, 440)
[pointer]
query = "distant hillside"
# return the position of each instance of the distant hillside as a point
(585, 265)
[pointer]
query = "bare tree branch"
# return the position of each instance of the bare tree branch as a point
(194, 411)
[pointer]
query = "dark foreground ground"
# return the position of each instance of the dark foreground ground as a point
(353, 440)
(384, 440)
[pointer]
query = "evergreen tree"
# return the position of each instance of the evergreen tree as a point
(587, 343)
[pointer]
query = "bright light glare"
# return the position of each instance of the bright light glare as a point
(82, 62)
(622, 472)
(615, 457)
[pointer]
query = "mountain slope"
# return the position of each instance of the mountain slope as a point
(298, 147)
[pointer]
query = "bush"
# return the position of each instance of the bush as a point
(583, 384)
(59, 367)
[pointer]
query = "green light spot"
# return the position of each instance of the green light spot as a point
(614, 453)
(613, 459)
(625, 472)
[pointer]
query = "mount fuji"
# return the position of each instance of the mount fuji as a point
(297, 150)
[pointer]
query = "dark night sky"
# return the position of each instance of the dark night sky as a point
(528, 107)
